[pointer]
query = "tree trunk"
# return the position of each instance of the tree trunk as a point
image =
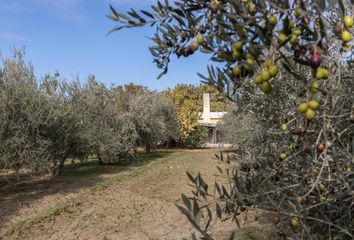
(148, 148)
(17, 174)
(100, 162)
(57, 169)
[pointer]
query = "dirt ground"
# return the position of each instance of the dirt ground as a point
(114, 202)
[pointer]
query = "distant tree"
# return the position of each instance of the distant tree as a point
(155, 119)
(188, 100)
(109, 130)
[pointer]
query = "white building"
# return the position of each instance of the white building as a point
(210, 119)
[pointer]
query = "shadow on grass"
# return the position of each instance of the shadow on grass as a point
(84, 175)
(92, 168)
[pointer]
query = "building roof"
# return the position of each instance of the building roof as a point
(207, 124)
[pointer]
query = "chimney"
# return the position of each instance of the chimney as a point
(206, 108)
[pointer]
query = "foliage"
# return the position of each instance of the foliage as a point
(198, 136)
(154, 118)
(45, 122)
(37, 131)
(288, 63)
(110, 133)
(239, 128)
(188, 100)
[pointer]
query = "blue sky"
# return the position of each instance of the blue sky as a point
(69, 36)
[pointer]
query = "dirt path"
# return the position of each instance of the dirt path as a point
(117, 203)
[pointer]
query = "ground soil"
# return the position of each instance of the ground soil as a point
(115, 202)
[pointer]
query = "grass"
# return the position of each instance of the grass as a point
(21, 225)
(89, 169)
(52, 213)
(4, 198)
(103, 176)
(92, 168)
(102, 185)
(249, 233)
(86, 170)
(122, 170)
(83, 222)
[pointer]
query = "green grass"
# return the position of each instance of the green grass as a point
(251, 233)
(52, 213)
(21, 225)
(91, 168)
(102, 185)
(122, 170)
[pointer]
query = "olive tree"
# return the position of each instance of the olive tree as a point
(38, 129)
(108, 130)
(155, 119)
(21, 142)
(288, 64)
(63, 127)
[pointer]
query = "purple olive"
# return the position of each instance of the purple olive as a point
(315, 61)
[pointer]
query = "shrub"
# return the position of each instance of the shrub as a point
(198, 136)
